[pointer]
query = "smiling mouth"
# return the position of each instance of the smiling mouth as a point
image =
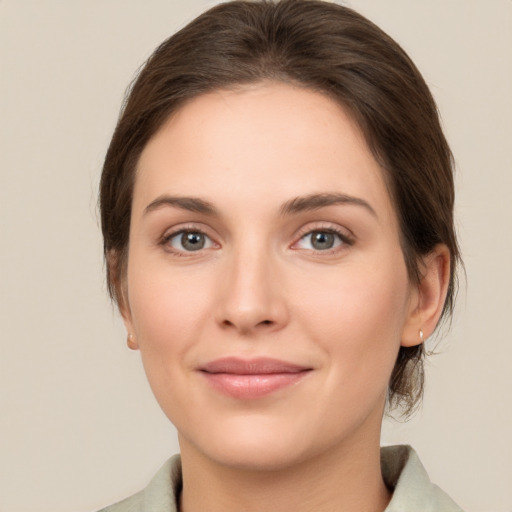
(253, 378)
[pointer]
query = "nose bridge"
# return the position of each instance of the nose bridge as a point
(251, 294)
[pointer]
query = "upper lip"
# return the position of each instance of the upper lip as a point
(258, 366)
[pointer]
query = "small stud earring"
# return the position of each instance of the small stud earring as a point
(422, 340)
(131, 342)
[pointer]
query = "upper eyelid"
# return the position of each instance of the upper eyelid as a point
(181, 228)
(325, 226)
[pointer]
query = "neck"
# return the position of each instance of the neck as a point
(347, 479)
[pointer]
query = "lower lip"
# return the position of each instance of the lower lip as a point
(252, 386)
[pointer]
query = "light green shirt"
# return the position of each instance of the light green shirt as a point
(401, 470)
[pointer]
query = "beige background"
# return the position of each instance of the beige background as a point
(78, 425)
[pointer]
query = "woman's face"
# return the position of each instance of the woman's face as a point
(267, 290)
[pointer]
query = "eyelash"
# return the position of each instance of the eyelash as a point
(167, 237)
(344, 238)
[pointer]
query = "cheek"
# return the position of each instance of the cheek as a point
(169, 311)
(167, 308)
(356, 315)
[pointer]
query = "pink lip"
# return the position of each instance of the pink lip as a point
(253, 378)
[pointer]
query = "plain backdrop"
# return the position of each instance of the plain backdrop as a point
(79, 427)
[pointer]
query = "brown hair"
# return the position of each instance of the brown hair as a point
(324, 47)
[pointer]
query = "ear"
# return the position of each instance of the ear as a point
(119, 289)
(124, 309)
(428, 300)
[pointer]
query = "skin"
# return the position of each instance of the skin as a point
(260, 286)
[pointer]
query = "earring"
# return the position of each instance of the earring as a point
(421, 336)
(132, 344)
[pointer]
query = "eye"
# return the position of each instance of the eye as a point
(321, 240)
(189, 241)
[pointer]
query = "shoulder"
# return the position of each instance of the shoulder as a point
(134, 503)
(160, 495)
(413, 490)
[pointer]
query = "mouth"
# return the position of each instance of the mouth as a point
(247, 379)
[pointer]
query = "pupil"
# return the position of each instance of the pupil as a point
(322, 240)
(192, 241)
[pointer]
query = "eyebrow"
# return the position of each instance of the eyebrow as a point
(296, 205)
(191, 204)
(317, 201)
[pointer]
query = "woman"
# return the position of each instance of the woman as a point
(277, 212)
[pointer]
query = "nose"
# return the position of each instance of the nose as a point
(252, 297)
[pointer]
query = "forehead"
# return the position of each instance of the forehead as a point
(268, 140)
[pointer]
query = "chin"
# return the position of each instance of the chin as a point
(245, 442)
(258, 443)
(257, 455)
